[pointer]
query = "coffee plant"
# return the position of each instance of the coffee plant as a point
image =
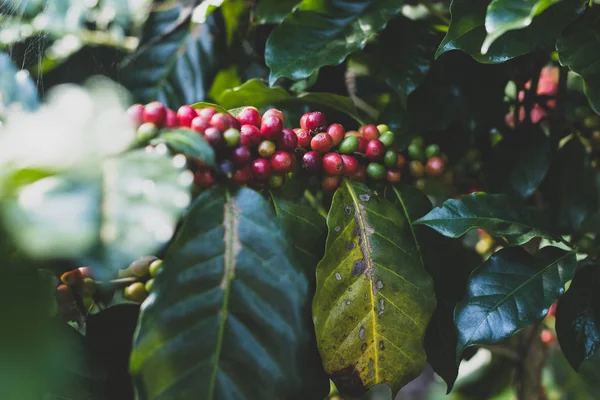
(286, 199)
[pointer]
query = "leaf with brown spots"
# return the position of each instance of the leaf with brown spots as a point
(374, 298)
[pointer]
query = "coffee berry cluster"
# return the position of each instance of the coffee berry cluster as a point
(142, 271)
(75, 294)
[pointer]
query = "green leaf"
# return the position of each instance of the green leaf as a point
(506, 15)
(180, 68)
(511, 291)
(467, 31)
(16, 87)
(274, 11)
(226, 79)
(317, 34)
(225, 317)
(188, 142)
(497, 214)
(578, 316)
(374, 297)
(576, 47)
(204, 104)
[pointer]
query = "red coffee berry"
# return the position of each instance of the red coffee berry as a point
(362, 144)
(185, 115)
(393, 175)
(266, 148)
(304, 138)
(249, 116)
(435, 166)
(72, 278)
(171, 120)
(261, 169)
(370, 132)
(136, 113)
(337, 132)
(281, 162)
(547, 337)
(214, 137)
(273, 112)
(350, 165)
(321, 143)
(241, 156)
(552, 310)
(312, 162)
(242, 175)
(288, 140)
(155, 112)
(303, 119)
(375, 149)
(361, 174)
(270, 128)
(207, 112)
(220, 121)
(199, 124)
(333, 164)
(250, 136)
(204, 178)
(329, 183)
(315, 122)
(233, 123)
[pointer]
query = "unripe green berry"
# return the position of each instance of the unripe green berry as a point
(88, 287)
(416, 152)
(136, 292)
(382, 128)
(141, 266)
(266, 148)
(146, 131)
(418, 141)
(387, 138)
(390, 159)
(592, 121)
(349, 145)
(155, 267)
(376, 171)
(232, 137)
(276, 181)
(149, 285)
(432, 150)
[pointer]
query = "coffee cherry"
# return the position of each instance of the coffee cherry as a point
(281, 162)
(314, 122)
(207, 112)
(321, 143)
(136, 113)
(220, 122)
(337, 132)
(303, 119)
(136, 292)
(375, 150)
(261, 169)
(304, 138)
(155, 112)
(88, 287)
(273, 112)
(416, 152)
(72, 278)
(387, 139)
(241, 156)
(185, 115)
(204, 178)
(141, 266)
(350, 165)
(270, 128)
(420, 184)
(214, 137)
(226, 169)
(199, 124)
(233, 123)
(171, 120)
(361, 174)
(154, 267)
(146, 131)
(375, 171)
(312, 162)
(149, 285)
(250, 136)
(266, 148)
(329, 183)
(390, 159)
(349, 145)
(401, 161)
(416, 168)
(249, 116)
(418, 141)
(276, 181)
(333, 164)
(435, 166)
(362, 144)
(242, 175)
(353, 133)
(86, 272)
(595, 136)
(288, 140)
(232, 137)
(370, 132)
(592, 121)
(382, 128)
(393, 175)
(547, 337)
(432, 150)
(552, 310)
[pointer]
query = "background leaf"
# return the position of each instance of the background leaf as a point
(274, 11)
(15, 86)
(188, 142)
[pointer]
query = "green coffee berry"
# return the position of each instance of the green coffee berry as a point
(376, 171)
(349, 145)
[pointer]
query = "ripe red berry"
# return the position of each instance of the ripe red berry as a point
(241, 156)
(249, 116)
(281, 162)
(393, 175)
(312, 162)
(333, 164)
(261, 169)
(155, 112)
(314, 122)
(370, 132)
(552, 310)
(185, 115)
(204, 178)
(337, 132)
(304, 138)
(242, 175)
(273, 112)
(266, 148)
(270, 128)
(350, 165)
(321, 143)
(375, 149)
(250, 136)
(303, 119)
(136, 113)
(288, 140)
(361, 174)
(547, 337)
(171, 120)
(214, 137)
(330, 183)
(199, 124)
(233, 123)
(435, 166)
(207, 112)
(220, 121)
(362, 144)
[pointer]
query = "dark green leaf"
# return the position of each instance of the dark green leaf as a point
(274, 11)
(495, 213)
(577, 46)
(317, 34)
(226, 79)
(16, 87)
(374, 297)
(188, 142)
(467, 31)
(225, 317)
(578, 316)
(510, 291)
